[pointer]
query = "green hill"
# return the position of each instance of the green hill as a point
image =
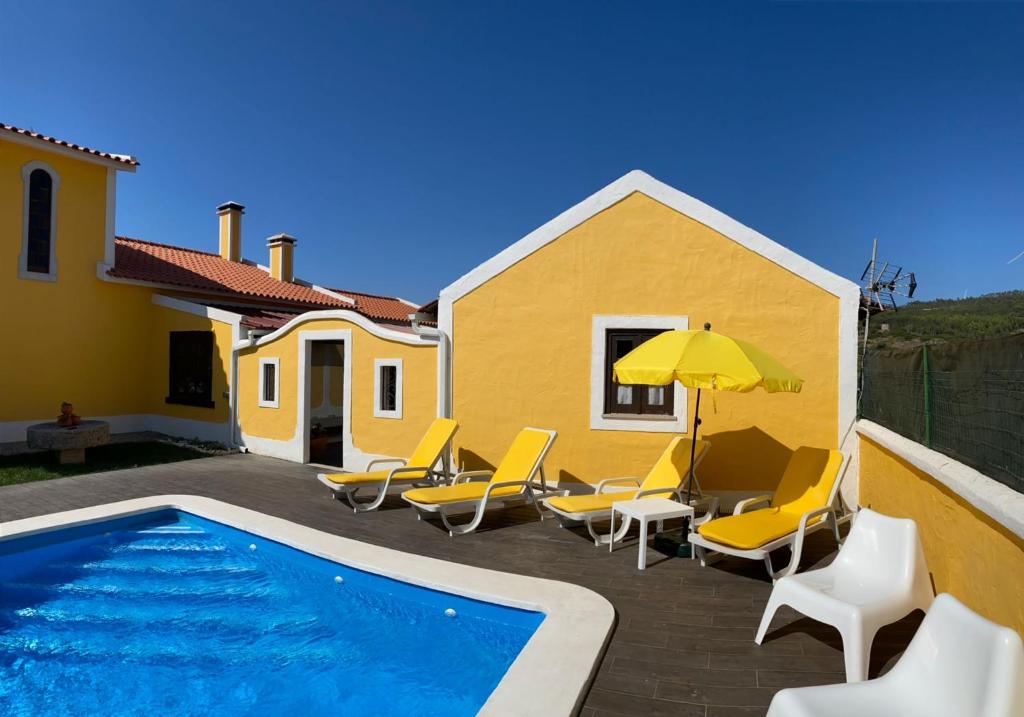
(976, 317)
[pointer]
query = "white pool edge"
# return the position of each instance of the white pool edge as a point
(550, 676)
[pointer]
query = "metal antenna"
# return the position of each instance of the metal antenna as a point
(880, 285)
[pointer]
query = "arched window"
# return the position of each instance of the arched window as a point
(40, 203)
(38, 260)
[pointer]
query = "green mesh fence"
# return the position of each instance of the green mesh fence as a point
(965, 400)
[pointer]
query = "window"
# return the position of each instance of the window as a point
(632, 399)
(387, 389)
(191, 368)
(40, 202)
(38, 259)
(623, 407)
(270, 369)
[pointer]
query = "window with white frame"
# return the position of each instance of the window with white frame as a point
(620, 407)
(387, 388)
(38, 258)
(270, 382)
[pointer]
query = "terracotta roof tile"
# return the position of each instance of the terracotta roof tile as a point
(383, 308)
(122, 158)
(192, 269)
(258, 318)
(209, 273)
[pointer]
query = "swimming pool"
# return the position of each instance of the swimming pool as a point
(166, 611)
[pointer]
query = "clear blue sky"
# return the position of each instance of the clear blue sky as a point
(404, 143)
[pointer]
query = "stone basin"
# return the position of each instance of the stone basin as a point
(70, 442)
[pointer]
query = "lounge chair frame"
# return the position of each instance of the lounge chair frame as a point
(567, 519)
(708, 551)
(426, 511)
(348, 492)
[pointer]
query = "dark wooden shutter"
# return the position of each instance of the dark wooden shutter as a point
(191, 368)
(632, 399)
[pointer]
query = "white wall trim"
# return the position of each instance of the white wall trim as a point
(26, 173)
(638, 181)
(598, 421)
(849, 306)
(999, 502)
(14, 431)
(379, 412)
(444, 375)
(296, 448)
(275, 402)
(191, 307)
(109, 251)
(304, 390)
(80, 155)
(353, 318)
(355, 460)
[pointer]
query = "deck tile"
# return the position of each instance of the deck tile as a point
(684, 642)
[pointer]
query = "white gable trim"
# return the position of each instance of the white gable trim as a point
(353, 318)
(637, 181)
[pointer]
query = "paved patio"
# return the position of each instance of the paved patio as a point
(684, 642)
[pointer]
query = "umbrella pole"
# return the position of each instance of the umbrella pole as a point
(693, 448)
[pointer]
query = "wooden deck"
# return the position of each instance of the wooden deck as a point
(684, 643)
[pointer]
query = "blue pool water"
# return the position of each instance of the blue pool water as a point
(170, 614)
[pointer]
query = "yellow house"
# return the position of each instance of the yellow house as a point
(534, 331)
(214, 346)
(210, 345)
(163, 338)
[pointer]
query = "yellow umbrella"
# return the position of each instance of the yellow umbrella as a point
(704, 359)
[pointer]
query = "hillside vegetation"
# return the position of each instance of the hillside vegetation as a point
(976, 317)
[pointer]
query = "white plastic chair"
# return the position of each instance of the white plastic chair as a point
(878, 577)
(958, 665)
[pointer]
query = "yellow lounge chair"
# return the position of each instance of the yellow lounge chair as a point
(666, 479)
(806, 494)
(418, 469)
(510, 481)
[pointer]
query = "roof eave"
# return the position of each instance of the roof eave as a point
(125, 163)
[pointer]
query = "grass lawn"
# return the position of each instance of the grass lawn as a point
(44, 466)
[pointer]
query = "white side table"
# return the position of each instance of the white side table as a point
(646, 510)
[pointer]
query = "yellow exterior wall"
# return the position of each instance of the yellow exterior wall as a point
(969, 555)
(384, 436)
(161, 323)
(101, 345)
(522, 347)
(75, 339)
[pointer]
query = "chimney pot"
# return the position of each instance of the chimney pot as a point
(282, 257)
(230, 214)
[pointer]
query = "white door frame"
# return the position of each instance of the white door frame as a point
(305, 389)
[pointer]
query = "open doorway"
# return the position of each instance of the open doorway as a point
(326, 415)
